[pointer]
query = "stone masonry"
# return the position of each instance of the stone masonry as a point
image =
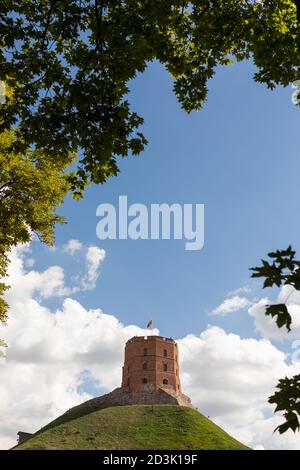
(121, 396)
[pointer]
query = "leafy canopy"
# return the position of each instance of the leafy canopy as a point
(68, 64)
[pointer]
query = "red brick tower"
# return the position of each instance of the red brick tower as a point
(151, 362)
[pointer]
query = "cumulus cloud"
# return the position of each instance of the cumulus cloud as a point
(72, 246)
(94, 258)
(232, 304)
(266, 325)
(240, 290)
(27, 283)
(51, 354)
(230, 380)
(51, 282)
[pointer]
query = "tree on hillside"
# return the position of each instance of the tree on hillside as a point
(283, 270)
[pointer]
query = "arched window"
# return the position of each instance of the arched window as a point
(145, 365)
(145, 352)
(165, 382)
(165, 353)
(165, 367)
(145, 380)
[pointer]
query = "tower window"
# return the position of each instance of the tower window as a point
(165, 353)
(145, 365)
(145, 352)
(145, 380)
(165, 382)
(165, 367)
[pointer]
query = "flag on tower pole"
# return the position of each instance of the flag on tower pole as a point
(149, 324)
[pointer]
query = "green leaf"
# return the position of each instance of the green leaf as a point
(292, 422)
(287, 399)
(281, 315)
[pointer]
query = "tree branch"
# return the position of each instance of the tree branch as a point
(44, 36)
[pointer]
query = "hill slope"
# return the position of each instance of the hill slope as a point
(132, 427)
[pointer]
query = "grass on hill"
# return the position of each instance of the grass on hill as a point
(132, 427)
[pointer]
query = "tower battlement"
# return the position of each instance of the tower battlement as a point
(151, 362)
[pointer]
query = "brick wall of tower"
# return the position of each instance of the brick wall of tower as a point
(151, 362)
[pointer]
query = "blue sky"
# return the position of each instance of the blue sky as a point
(239, 157)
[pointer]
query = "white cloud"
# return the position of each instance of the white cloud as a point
(29, 262)
(94, 258)
(232, 304)
(240, 290)
(51, 282)
(230, 380)
(24, 284)
(227, 377)
(289, 295)
(266, 325)
(72, 246)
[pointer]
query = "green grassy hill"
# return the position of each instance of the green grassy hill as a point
(132, 427)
